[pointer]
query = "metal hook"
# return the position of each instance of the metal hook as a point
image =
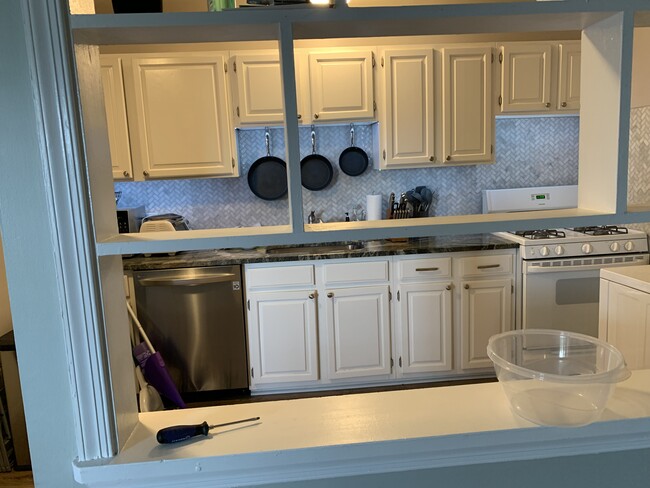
(313, 140)
(351, 134)
(267, 140)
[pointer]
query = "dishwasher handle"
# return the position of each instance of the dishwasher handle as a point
(188, 280)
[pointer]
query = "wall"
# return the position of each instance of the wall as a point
(530, 151)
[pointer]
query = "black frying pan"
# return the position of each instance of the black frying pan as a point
(267, 176)
(353, 161)
(315, 170)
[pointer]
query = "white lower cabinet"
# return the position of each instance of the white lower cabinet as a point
(358, 331)
(283, 337)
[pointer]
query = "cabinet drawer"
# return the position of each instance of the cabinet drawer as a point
(422, 269)
(486, 265)
(376, 271)
(280, 276)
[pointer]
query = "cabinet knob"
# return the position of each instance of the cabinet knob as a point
(448, 287)
(432, 158)
(311, 296)
(448, 158)
(126, 174)
(563, 104)
(466, 286)
(330, 295)
(315, 116)
(146, 173)
(547, 104)
(299, 117)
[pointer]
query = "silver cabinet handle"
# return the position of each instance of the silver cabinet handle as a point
(311, 296)
(547, 104)
(488, 266)
(466, 286)
(427, 269)
(187, 280)
(330, 295)
(563, 104)
(448, 287)
(299, 116)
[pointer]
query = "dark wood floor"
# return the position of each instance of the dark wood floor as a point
(17, 479)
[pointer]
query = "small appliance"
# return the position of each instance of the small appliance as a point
(129, 219)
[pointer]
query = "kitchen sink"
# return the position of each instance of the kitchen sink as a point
(324, 249)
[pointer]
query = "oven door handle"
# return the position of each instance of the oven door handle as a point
(528, 269)
(187, 280)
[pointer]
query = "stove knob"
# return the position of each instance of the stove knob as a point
(559, 250)
(629, 246)
(544, 251)
(615, 246)
(587, 248)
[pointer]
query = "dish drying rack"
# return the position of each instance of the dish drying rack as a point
(414, 203)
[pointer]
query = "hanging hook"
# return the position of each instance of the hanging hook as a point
(267, 140)
(351, 134)
(313, 140)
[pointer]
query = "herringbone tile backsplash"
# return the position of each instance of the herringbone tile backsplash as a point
(638, 190)
(530, 151)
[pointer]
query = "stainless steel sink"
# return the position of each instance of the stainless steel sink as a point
(324, 249)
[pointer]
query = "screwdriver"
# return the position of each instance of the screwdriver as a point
(178, 433)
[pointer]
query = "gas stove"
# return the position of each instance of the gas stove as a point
(579, 241)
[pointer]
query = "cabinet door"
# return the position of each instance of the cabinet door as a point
(408, 118)
(181, 116)
(467, 104)
(526, 77)
(282, 334)
(486, 309)
(341, 86)
(358, 328)
(628, 322)
(569, 77)
(425, 327)
(118, 128)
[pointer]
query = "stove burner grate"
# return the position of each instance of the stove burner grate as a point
(540, 234)
(601, 230)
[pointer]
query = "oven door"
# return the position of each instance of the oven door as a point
(558, 295)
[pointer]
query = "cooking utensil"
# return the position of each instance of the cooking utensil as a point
(267, 176)
(315, 170)
(353, 161)
(179, 433)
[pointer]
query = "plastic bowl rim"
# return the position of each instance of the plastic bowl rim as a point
(620, 373)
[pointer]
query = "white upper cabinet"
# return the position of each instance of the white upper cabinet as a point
(408, 124)
(180, 115)
(525, 77)
(116, 121)
(569, 76)
(468, 120)
(341, 85)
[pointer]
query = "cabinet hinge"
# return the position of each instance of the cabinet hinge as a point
(234, 66)
(374, 106)
(225, 67)
(390, 295)
(392, 363)
(252, 372)
(248, 304)
(398, 296)
(382, 61)
(233, 163)
(384, 154)
(492, 58)
(237, 111)
(512, 288)
(400, 361)
(491, 148)
(500, 100)
(501, 57)
(373, 60)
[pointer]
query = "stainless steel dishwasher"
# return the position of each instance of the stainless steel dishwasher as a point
(195, 318)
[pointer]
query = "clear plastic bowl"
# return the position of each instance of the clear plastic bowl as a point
(556, 378)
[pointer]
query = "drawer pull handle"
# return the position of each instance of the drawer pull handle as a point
(488, 266)
(330, 295)
(311, 296)
(427, 269)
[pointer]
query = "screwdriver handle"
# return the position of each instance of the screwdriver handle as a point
(178, 433)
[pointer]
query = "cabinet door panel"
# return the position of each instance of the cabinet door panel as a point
(116, 122)
(467, 105)
(282, 337)
(485, 310)
(425, 326)
(259, 89)
(628, 319)
(341, 85)
(358, 332)
(409, 106)
(526, 77)
(181, 114)
(569, 84)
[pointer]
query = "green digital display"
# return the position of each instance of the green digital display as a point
(541, 196)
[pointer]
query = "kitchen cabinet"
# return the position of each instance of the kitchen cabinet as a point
(540, 77)
(341, 85)
(116, 121)
(424, 315)
(178, 115)
(407, 120)
(468, 120)
(624, 313)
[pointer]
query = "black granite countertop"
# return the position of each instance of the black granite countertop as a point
(333, 250)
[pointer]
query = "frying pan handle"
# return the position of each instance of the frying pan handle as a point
(352, 135)
(313, 140)
(267, 140)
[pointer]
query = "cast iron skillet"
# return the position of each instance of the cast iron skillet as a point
(315, 170)
(353, 161)
(267, 176)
